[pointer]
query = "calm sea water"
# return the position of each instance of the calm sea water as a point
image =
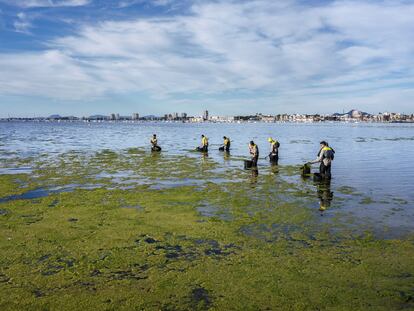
(375, 159)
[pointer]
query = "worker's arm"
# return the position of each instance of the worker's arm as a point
(318, 159)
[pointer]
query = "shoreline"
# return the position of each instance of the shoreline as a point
(205, 122)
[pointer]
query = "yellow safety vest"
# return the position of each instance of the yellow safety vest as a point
(204, 141)
(226, 141)
(253, 149)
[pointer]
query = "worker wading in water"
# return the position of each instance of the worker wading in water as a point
(274, 150)
(204, 144)
(325, 158)
(254, 152)
(226, 144)
(154, 143)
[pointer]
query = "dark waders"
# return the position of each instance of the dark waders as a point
(254, 161)
(325, 170)
(274, 158)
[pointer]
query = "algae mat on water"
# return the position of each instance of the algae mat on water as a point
(134, 231)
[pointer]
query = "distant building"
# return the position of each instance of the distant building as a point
(183, 115)
(196, 119)
(112, 117)
(268, 118)
(205, 115)
(135, 116)
(356, 114)
(221, 119)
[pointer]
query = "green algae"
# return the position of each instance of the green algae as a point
(201, 241)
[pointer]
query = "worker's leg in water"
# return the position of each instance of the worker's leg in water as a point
(325, 170)
(254, 160)
(328, 171)
(274, 158)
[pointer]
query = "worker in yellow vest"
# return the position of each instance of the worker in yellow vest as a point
(204, 144)
(154, 143)
(325, 158)
(254, 152)
(274, 150)
(226, 144)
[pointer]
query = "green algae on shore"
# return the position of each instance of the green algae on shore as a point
(176, 233)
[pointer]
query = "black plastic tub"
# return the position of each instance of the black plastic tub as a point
(248, 164)
(305, 170)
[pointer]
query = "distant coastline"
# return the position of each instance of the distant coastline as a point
(353, 116)
(35, 120)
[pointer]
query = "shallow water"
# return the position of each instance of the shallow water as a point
(374, 160)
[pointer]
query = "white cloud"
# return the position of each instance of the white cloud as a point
(22, 23)
(45, 3)
(298, 53)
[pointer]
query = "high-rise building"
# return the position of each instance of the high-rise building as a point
(135, 116)
(112, 116)
(205, 115)
(183, 115)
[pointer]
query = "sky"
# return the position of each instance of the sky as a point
(84, 57)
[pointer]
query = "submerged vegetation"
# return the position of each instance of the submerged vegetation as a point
(135, 230)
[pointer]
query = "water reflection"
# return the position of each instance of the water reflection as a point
(226, 155)
(254, 176)
(325, 195)
(274, 169)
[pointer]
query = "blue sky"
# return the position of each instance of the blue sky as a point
(81, 57)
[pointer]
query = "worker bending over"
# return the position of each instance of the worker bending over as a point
(154, 143)
(274, 150)
(325, 158)
(226, 144)
(204, 144)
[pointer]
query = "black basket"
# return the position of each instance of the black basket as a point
(305, 169)
(248, 164)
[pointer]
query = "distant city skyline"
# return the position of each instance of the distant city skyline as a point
(350, 116)
(84, 57)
